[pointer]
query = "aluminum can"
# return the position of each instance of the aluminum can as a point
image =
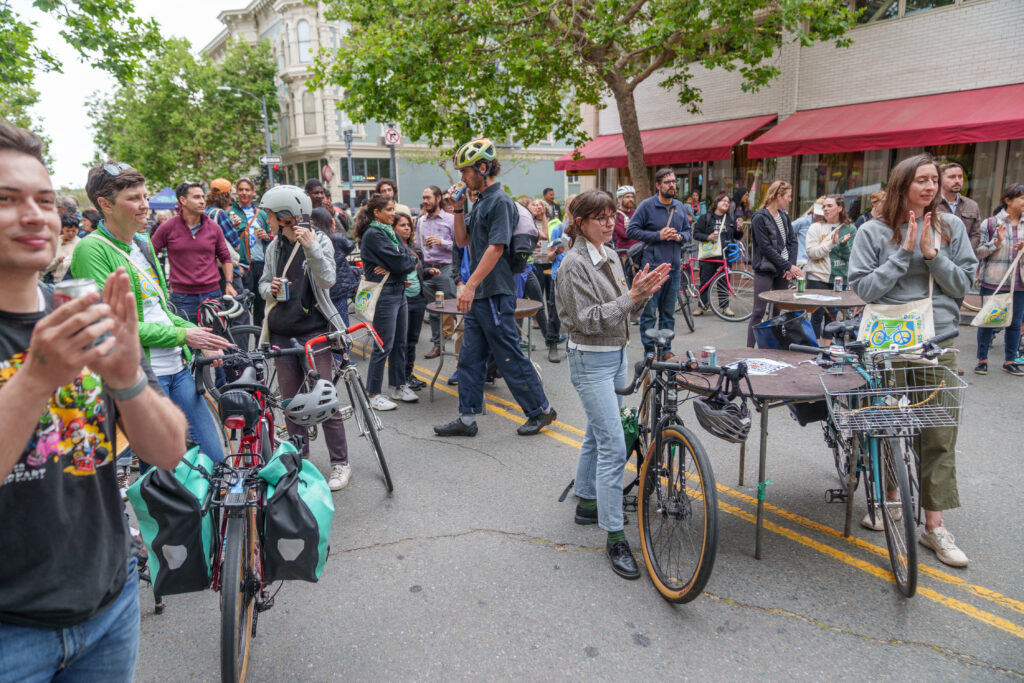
(67, 290)
(284, 291)
(458, 189)
(801, 284)
(709, 355)
(838, 285)
(439, 298)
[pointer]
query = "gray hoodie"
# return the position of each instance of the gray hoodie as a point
(884, 272)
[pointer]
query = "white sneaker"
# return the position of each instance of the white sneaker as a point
(878, 524)
(403, 393)
(944, 545)
(340, 476)
(728, 311)
(381, 402)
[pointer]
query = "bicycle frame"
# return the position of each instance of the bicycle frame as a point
(723, 266)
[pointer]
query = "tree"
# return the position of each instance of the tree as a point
(173, 123)
(521, 69)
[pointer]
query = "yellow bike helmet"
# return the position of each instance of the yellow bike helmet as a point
(475, 151)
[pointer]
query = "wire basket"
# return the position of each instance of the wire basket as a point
(907, 399)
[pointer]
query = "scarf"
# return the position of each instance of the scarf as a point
(387, 230)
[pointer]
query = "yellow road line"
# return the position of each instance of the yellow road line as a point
(825, 549)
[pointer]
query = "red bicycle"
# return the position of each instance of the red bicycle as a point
(729, 291)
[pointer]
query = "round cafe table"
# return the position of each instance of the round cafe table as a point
(792, 300)
(799, 383)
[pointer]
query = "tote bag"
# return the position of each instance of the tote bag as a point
(995, 313)
(712, 248)
(367, 296)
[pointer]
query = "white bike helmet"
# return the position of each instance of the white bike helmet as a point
(314, 406)
(624, 190)
(287, 200)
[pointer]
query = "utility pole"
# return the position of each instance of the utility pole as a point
(266, 125)
(347, 130)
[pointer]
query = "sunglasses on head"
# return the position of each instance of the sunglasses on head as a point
(116, 169)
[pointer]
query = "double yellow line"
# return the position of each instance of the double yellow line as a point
(510, 410)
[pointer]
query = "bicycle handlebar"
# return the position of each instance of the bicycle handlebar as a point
(736, 372)
(929, 348)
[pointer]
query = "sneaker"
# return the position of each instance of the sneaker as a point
(981, 368)
(878, 524)
(535, 424)
(1013, 369)
(340, 477)
(698, 311)
(456, 428)
(381, 403)
(944, 545)
(415, 383)
(403, 393)
(729, 312)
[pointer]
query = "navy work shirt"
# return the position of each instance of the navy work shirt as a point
(646, 224)
(491, 222)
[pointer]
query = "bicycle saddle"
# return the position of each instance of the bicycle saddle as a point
(660, 337)
(249, 378)
(842, 326)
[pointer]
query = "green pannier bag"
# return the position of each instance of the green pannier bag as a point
(297, 518)
(179, 537)
(630, 428)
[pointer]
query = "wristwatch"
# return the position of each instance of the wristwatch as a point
(132, 391)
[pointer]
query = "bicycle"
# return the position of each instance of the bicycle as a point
(677, 504)
(874, 430)
(730, 291)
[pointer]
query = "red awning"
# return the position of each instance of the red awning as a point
(944, 119)
(677, 145)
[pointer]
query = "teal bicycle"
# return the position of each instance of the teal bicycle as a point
(875, 431)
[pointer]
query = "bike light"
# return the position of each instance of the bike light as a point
(234, 422)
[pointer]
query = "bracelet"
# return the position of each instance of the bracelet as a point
(132, 391)
(458, 211)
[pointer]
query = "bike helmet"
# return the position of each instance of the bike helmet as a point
(287, 200)
(475, 151)
(624, 190)
(732, 251)
(723, 418)
(314, 406)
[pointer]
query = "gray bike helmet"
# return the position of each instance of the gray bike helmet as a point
(624, 190)
(722, 418)
(314, 406)
(287, 200)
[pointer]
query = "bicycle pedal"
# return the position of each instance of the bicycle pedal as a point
(835, 496)
(629, 503)
(346, 412)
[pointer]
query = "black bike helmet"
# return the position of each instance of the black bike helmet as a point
(314, 406)
(724, 419)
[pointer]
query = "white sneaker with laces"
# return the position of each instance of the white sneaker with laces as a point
(340, 476)
(381, 402)
(944, 545)
(403, 393)
(878, 524)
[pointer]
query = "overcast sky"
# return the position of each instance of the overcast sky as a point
(63, 106)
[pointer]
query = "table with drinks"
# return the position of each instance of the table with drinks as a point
(797, 299)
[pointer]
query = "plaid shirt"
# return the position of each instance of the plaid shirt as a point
(995, 261)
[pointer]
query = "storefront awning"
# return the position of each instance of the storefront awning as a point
(677, 145)
(944, 119)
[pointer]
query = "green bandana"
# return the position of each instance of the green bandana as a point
(387, 230)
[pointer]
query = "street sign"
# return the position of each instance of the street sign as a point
(358, 178)
(269, 159)
(392, 136)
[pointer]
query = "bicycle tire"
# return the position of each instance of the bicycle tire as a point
(237, 602)
(684, 303)
(368, 424)
(900, 535)
(738, 293)
(663, 503)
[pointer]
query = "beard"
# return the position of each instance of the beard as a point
(669, 192)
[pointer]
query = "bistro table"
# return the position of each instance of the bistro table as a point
(800, 383)
(792, 300)
(525, 308)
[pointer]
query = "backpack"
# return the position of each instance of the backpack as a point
(525, 236)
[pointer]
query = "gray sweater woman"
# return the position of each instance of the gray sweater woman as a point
(320, 269)
(882, 271)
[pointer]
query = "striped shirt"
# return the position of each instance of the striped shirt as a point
(782, 236)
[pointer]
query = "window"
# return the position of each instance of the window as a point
(366, 170)
(877, 10)
(913, 6)
(311, 170)
(303, 39)
(308, 113)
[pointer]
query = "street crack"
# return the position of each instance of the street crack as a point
(560, 546)
(456, 444)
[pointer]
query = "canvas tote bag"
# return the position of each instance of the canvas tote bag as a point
(995, 313)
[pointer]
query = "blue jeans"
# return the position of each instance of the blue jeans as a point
(602, 460)
(1012, 333)
(490, 328)
(187, 305)
(181, 388)
(391, 320)
(103, 648)
(660, 310)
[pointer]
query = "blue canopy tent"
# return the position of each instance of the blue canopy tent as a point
(163, 200)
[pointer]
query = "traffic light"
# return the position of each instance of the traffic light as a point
(277, 176)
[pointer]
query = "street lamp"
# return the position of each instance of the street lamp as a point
(266, 126)
(347, 130)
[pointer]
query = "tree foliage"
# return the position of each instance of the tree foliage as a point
(173, 124)
(448, 69)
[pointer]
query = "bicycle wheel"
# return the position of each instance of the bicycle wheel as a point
(678, 516)
(683, 302)
(842, 454)
(237, 600)
(899, 533)
(731, 295)
(368, 423)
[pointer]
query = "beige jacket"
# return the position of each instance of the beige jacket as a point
(819, 246)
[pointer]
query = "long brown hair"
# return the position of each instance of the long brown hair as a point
(897, 206)
(775, 190)
(587, 205)
(365, 215)
(841, 203)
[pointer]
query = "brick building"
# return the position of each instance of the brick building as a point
(967, 54)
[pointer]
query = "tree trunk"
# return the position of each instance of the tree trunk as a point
(631, 135)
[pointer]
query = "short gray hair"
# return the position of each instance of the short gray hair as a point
(67, 204)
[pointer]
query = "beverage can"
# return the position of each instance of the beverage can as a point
(709, 355)
(801, 284)
(284, 290)
(458, 189)
(67, 290)
(439, 298)
(837, 284)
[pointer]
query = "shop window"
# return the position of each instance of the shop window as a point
(305, 43)
(877, 10)
(1014, 172)
(309, 113)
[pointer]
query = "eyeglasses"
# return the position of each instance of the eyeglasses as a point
(603, 219)
(116, 169)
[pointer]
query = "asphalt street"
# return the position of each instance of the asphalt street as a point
(473, 570)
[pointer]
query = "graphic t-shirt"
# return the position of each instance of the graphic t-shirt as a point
(255, 243)
(64, 536)
(164, 361)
